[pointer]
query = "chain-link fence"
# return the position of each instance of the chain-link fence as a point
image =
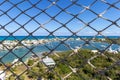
(59, 39)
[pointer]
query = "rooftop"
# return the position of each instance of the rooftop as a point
(48, 61)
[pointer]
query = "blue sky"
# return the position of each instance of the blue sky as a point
(50, 24)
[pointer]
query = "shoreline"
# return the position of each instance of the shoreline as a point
(20, 50)
(16, 44)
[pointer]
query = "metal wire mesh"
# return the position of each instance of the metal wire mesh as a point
(74, 64)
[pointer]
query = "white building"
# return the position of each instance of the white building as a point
(48, 61)
(2, 75)
(94, 51)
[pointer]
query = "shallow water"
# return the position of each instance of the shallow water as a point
(19, 53)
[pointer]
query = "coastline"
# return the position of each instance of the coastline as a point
(38, 46)
(15, 44)
(50, 37)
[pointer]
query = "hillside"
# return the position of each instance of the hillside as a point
(83, 65)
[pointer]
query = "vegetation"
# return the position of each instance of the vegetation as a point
(78, 61)
(30, 62)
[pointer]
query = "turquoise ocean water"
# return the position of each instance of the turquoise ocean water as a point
(45, 37)
(20, 53)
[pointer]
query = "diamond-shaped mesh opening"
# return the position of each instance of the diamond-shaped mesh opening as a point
(99, 25)
(40, 18)
(11, 27)
(32, 22)
(89, 18)
(75, 25)
(45, 6)
(14, 12)
(24, 3)
(77, 10)
(36, 11)
(59, 39)
(5, 6)
(4, 19)
(22, 22)
(51, 24)
(100, 9)
(55, 10)
(61, 16)
(110, 11)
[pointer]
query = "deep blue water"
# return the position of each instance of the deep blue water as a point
(10, 56)
(45, 37)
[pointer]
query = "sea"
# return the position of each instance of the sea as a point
(25, 53)
(49, 37)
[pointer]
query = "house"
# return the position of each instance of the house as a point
(94, 51)
(48, 61)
